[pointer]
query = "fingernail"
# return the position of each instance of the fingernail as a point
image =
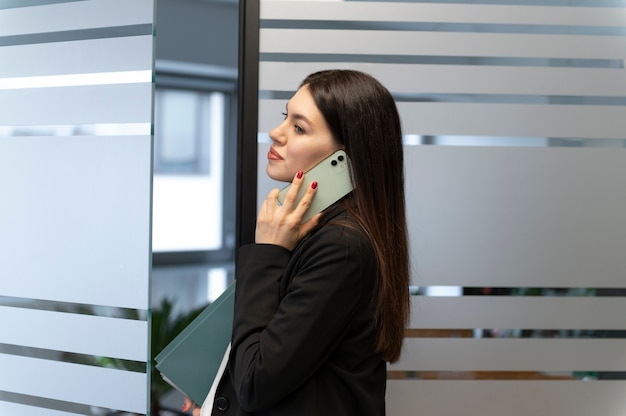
(314, 184)
(299, 174)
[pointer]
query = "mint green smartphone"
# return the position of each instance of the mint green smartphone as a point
(333, 183)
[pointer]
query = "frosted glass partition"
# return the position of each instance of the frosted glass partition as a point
(550, 217)
(514, 117)
(75, 174)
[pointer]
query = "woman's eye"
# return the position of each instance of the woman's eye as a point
(297, 128)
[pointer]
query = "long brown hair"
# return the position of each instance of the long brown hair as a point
(362, 115)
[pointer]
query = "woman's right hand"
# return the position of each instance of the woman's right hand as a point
(282, 224)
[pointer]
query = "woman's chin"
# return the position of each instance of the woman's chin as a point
(278, 176)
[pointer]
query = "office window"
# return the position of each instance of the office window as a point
(188, 170)
(193, 212)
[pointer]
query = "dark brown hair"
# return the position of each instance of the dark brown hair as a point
(364, 120)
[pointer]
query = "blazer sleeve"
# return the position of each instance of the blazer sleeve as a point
(278, 344)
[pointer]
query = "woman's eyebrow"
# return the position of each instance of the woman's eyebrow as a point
(297, 116)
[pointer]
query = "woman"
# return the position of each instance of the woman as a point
(321, 306)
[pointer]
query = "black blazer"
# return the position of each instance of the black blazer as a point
(303, 332)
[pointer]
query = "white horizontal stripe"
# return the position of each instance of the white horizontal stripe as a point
(91, 104)
(510, 397)
(487, 119)
(75, 15)
(195, 69)
(460, 79)
(518, 312)
(73, 80)
(516, 217)
(372, 42)
(68, 332)
(442, 13)
(507, 354)
(133, 53)
(74, 383)
(126, 129)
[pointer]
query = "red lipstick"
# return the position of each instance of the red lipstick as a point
(274, 155)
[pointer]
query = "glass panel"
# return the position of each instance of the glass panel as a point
(380, 42)
(549, 355)
(524, 82)
(417, 11)
(75, 15)
(535, 217)
(514, 398)
(81, 105)
(75, 165)
(564, 312)
(83, 384)
(90, 56)
(89, 335)
(503, 121)
(513, 113)
(76, 224)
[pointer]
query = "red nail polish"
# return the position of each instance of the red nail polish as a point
(299, 174)
(314, 184)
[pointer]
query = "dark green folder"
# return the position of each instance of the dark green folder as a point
(191, 361)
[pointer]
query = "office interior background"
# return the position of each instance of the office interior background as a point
(132, 143)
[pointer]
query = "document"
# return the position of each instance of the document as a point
(191, 362)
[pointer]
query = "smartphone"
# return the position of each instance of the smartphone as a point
(333, 183)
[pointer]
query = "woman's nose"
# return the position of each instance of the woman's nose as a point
(277, 135)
